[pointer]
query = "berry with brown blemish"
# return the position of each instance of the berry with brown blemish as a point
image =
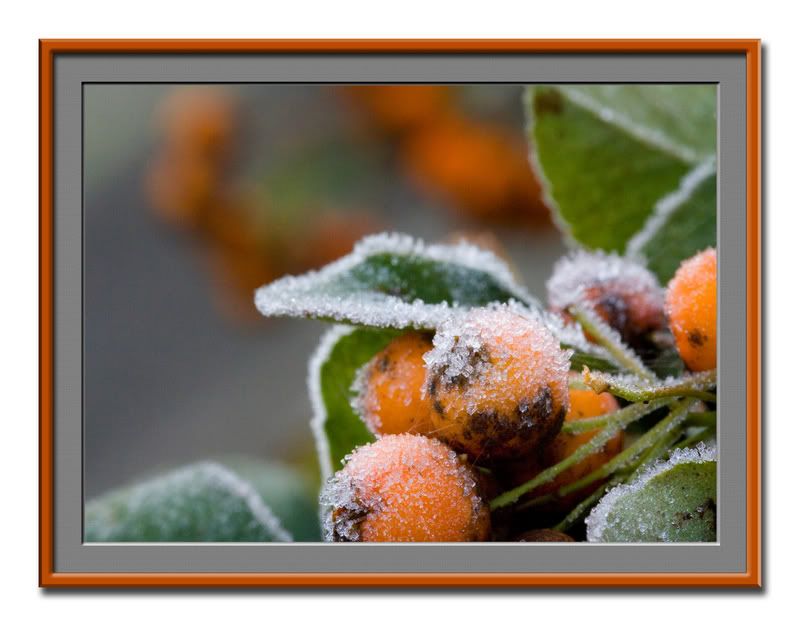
(405, 488)
(691, 305)
(498, 380)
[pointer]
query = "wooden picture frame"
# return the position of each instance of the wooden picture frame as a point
(50, 575)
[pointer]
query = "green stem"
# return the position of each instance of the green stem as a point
(630, 454)
(607, 337)
(693, 385)
(662, 446)
(622, 419)
(534, 502)
(702, 418)
(575, 514)
(695, 438)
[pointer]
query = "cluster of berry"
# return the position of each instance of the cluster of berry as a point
(480, 404)
(477, 167)
(194, 183)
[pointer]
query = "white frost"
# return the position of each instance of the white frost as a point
(225, 479)
(668, 204)
(596, 521)
(481, 346)
(645, 134)
(578, 271)
(301, 295)
(319, 414)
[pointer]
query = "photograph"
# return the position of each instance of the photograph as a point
(400, 313)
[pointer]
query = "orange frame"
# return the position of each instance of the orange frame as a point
(48, 49)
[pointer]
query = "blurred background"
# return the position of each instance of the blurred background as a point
(195, 195)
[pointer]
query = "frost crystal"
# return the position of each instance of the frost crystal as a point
(401, 488)
(482, 348)
(358, 389)
(317, 294)
(597, 520)
(574, 275)
(176, 494)
(321, 354)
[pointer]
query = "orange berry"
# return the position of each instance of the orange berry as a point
(498, 381)
(583, 404)
(201, 119)
(480, 169)
(400, 109)
(691, 304)
(404, 488)
(622, 293)
(390, 399)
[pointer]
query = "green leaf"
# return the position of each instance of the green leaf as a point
(672, 501)
(629, 163)
(207, 501)
(337, 428)
(292, 497)
(394, 281)
(683, 224)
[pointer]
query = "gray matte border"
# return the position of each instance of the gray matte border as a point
(72, 70)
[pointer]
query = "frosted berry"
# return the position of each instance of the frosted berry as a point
(498, 380)
(390, 396)
(623, 293)
(404, 488)
(691, 305)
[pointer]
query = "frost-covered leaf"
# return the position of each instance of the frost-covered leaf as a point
(624, 162)
(394, 281)
(670, 501)
(337, 429)
(682, 224)
(243, 500)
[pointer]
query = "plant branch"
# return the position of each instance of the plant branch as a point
(634, 389)
(622, 419)
(610, 339)
(630, 454)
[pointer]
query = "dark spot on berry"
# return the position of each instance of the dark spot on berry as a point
(346, 519)
(614, 310)
(536, 410)
(481, 422)
(475, 359)
(697, 338)
(383, 364)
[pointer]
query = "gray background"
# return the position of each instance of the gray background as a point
(71, 555)
(168, 378)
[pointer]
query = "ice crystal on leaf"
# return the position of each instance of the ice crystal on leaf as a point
(668, 501)
(395, 281)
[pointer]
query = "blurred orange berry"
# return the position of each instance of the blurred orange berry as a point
(399, 109)
(201, 118)
(480, 169)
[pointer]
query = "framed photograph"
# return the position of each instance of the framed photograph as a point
(400, 313)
